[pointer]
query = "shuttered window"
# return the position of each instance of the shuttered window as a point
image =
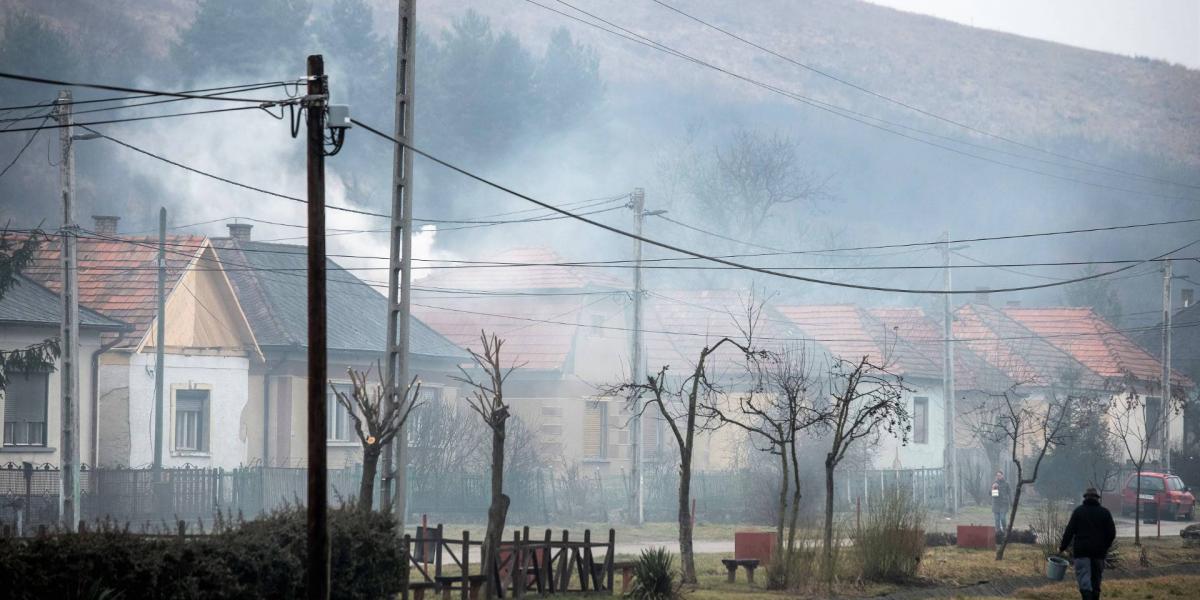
(1153, 425)
(595, 430)
(191, 420)
(25, 400)
(651, 435)
(920, 418)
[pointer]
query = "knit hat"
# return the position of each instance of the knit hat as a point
(1091, 493)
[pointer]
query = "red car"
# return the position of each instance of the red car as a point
(1174, 499)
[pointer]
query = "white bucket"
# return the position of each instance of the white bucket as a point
(1056, 568)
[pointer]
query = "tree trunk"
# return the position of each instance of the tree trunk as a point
(497, 513)
(795, 517)
(686, 558)
(1012, 516)
(1137, 508)
(366, 487)
(827, 567)
(785, 484)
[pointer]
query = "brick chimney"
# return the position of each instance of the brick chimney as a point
(1187, 296)
(239, 231)
(105, 224)
(982, 295)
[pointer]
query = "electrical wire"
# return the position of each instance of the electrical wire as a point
(921, 110)
(840, 111)
(726, 262)
(20, 152)
(132, 90)
(133, 119)
(133, 105)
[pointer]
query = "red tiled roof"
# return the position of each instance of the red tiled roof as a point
(1018, 351)
(541, 275)
(850, 333)
(925, 335)
(119, 279)
(527, 341)
(1092, 341)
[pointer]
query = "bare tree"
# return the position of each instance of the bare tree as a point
(1027, 428)
(865, 400)
(775, 412)
(1138, 432)
(487, 400)
(378, 413)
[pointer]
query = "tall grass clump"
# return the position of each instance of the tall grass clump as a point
(654, 576)
(891, 541)
(1048, 524)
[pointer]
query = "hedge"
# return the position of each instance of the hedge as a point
(263, 558)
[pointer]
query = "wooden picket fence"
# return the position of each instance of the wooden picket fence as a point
(523, 567)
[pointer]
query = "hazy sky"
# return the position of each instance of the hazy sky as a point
(1165, 29)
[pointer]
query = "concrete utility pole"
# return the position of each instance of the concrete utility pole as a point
(69, 333)
(1165, 404)
(396, 369)
(160, 339)
(950, 461)
(315, 102)
(637, 367)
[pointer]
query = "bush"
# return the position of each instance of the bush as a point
(1048, 524)
(654, 576)
(264, 558)
(892, 540)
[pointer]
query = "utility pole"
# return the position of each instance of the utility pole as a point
(69, 333)
(1165, 403)
(637, 367)
(318, 508)
(160, 339)
(950, 462)
(396, 369)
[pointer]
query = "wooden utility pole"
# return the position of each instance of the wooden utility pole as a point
(950, 462)
(317, 584)
(160, 340)
(637, 367)
(396, 370)
(1165, 403)
(69, 333)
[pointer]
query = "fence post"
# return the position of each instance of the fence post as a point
(585, 561)
(466, 565)
(547, 566)
(408, 563)
(518, 575)
(564, 575)
(437, 553)
(608, 560)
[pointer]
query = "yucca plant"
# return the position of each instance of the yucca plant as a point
(654, 576)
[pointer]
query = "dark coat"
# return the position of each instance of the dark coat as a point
(1092, 530)
(1001, 503)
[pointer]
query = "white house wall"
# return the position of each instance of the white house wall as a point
(889, 452)
(227, 379)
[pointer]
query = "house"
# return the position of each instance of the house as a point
(565, 328)
(30, 403)
(270, 286)
(208, 348)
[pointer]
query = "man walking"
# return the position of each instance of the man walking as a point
(1092, 530)
(1001, 501)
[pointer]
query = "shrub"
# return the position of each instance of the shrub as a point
(1048, 524)
(892, 540)
(264, 558)
(654, 576)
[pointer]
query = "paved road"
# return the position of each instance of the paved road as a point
(1170, 529)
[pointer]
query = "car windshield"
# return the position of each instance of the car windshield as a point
(1152, 484)
(1175, 484)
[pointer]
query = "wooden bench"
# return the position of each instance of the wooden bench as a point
(732, 564)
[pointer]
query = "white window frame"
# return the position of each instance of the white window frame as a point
(10, 432)
(337, 417)
(203, 422)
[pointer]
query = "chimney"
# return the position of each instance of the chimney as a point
(105, 224)
(981, 295)
(239, 231)
(1187, 296)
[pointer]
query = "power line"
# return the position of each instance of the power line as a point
(145, 92)
(132, 119)
(840, 111)
(138, 104)
(730, 263)
(23, 148)
(918, 109)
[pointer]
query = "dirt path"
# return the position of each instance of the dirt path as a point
(1006, 586)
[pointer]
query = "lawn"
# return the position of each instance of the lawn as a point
(1153, 588)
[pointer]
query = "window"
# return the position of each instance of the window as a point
(337, 427)
(1153, 414)
(920, 420)
(651, 436)
(1175, 484)
(25, 409)
(595, 430)
(1152, 484)
(191, 420)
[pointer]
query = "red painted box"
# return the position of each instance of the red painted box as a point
(754, 544)
(976, 536)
